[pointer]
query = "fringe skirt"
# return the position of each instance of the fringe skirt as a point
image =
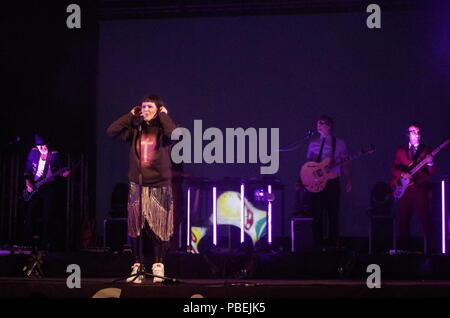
(157, 209)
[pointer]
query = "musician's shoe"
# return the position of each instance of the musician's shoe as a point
(158, 270)
(133, 278)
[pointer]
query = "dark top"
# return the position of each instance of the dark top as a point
(154, 142)
(32, 163)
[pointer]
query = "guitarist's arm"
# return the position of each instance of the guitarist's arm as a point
(341, 152)
(399, 165)
(348, 177)
(430, 166)
(56, 164)
(121, 129)
(29, 185)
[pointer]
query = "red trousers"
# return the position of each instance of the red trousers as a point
(416, 198)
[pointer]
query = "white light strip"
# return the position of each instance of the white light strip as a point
(269, 216)
(242, 212)
(444, 223)
(215, 216)
(188, 218)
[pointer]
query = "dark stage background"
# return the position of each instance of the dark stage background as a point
(49, 88)
(236, 65)
(281, 71)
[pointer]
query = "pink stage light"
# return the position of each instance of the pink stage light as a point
(188, 241)
(269, 216)
(242, 211)
(215, 216)
(443, 216)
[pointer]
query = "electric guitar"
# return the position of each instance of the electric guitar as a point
(28, 195)
(399, 184)
(315, 175)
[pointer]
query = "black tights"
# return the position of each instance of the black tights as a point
(159, 247)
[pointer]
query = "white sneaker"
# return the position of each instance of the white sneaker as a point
(158, 270)
(133, 278)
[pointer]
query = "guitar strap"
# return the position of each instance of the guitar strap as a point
(319, 157)
(333, 147)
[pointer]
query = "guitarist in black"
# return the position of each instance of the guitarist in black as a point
(41, 163)
(417, 195)
(325, 205)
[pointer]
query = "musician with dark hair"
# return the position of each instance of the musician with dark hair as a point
(325, 205)
(148, 128)
(41, 169)
(417, 195)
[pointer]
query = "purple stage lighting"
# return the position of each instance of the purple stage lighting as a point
(188, 217)
(215, 216)
(269, 216)
(443, 216)
(242, 211)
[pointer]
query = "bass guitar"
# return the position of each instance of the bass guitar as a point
(400, 184)
(28, 195)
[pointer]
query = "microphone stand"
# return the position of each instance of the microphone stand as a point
(141, 270)
(296, 145)
(33, 268)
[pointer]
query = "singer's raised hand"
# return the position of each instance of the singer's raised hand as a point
(136, 111)
(163, 109)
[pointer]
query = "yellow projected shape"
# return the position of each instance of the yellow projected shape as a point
(229, 213)
(197, 234)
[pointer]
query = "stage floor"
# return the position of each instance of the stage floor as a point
(220, 288)
(338, 274)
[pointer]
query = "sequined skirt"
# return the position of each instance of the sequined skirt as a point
(157, 209)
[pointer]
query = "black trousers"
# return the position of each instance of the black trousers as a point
(159, 247)
(39, 218)
(325, 211)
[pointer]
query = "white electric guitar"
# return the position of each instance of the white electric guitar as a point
(315, 175)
